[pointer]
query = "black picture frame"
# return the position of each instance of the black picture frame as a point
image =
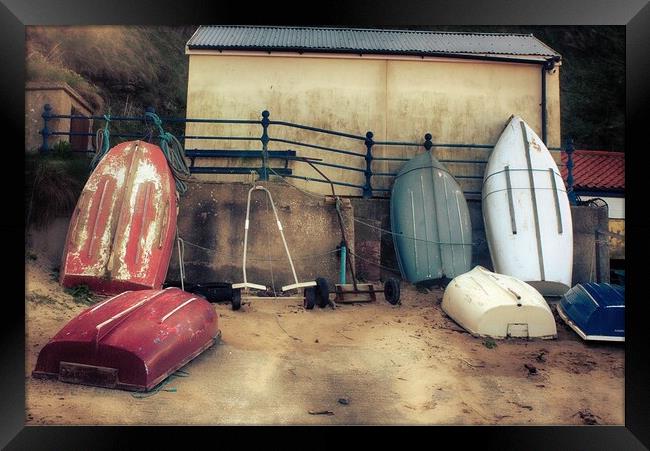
(634, 14)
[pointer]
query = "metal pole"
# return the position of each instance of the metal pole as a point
(543, 105)
(342, 264)
(367, 187)
(47, 113)
(264, 175)
(246, 224)
(284, 241)
(569, 166)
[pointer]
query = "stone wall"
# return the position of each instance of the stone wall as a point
(62, 98)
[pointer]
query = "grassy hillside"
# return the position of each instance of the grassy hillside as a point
(119, 69)
(125, 69)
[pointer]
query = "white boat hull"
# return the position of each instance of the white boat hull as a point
(527, 213)
(493, 305)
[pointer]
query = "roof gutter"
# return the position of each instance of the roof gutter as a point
(301, 50)
(547, 66)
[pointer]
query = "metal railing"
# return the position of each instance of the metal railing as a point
(265, 154)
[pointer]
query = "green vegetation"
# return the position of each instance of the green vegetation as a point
(53, 183)
(81, 294)
(489, 343)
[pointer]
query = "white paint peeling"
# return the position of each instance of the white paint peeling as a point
(120, 209)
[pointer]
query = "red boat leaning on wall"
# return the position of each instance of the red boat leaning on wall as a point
(121, 233)
(132, 341)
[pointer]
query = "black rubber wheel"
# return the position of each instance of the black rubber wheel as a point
(310, 298)
(322, 292)
(213, 291)
(391, 290)
(236, 299)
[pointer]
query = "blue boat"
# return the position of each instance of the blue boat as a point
(430, 221)
(595, 311)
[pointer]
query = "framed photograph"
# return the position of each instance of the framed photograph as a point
(412, 216)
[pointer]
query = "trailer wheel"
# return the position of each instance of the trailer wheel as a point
(236, 299)
(310, 298)
(391, 291)
(322, 292)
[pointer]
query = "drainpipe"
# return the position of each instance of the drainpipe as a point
(546, 67)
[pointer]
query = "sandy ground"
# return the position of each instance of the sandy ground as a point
(369, 363)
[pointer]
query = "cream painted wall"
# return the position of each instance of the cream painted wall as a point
(457, 101)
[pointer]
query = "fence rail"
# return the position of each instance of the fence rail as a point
(265, 154)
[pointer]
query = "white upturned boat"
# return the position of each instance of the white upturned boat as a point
(498, 306)
(526, 212)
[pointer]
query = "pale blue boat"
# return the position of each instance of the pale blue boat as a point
(432, 232)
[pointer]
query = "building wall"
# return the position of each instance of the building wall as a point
(616, 205)
(62, 98)
(457, 101)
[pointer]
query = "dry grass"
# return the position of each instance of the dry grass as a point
(118, 68)
(52, 185)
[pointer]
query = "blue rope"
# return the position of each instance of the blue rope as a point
(105, 141)
(161, 387)
(174, 155)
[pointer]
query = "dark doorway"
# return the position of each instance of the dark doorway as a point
(79, 125)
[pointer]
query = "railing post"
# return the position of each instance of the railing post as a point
(47, 113)
(427, 141)
(569, 178)
(367, 187)
(264, 175)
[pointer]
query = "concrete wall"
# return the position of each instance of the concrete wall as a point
(617, 239)
(458, 101)
(590, 248)
(62, 98)
(590, 254)
(211, 220)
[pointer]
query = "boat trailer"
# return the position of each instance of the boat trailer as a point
(312, 290)
(356, 291)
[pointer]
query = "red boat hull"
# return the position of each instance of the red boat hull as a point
(132, 341)
(121, 234)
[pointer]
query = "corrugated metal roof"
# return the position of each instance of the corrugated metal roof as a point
(597, 170)
(355, 40)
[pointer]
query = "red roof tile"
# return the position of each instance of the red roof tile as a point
(596, 170)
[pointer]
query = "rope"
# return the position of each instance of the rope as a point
(160, 387)
(268, 248)
(300, 257)
(181, 258)
(174, 156)
(477, 243)
(396, 271)
(389, 232)
(102, 142)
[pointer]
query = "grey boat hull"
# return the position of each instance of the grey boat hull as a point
(432, 232)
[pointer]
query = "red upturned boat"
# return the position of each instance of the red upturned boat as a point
(121, 234)
(132, 341)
